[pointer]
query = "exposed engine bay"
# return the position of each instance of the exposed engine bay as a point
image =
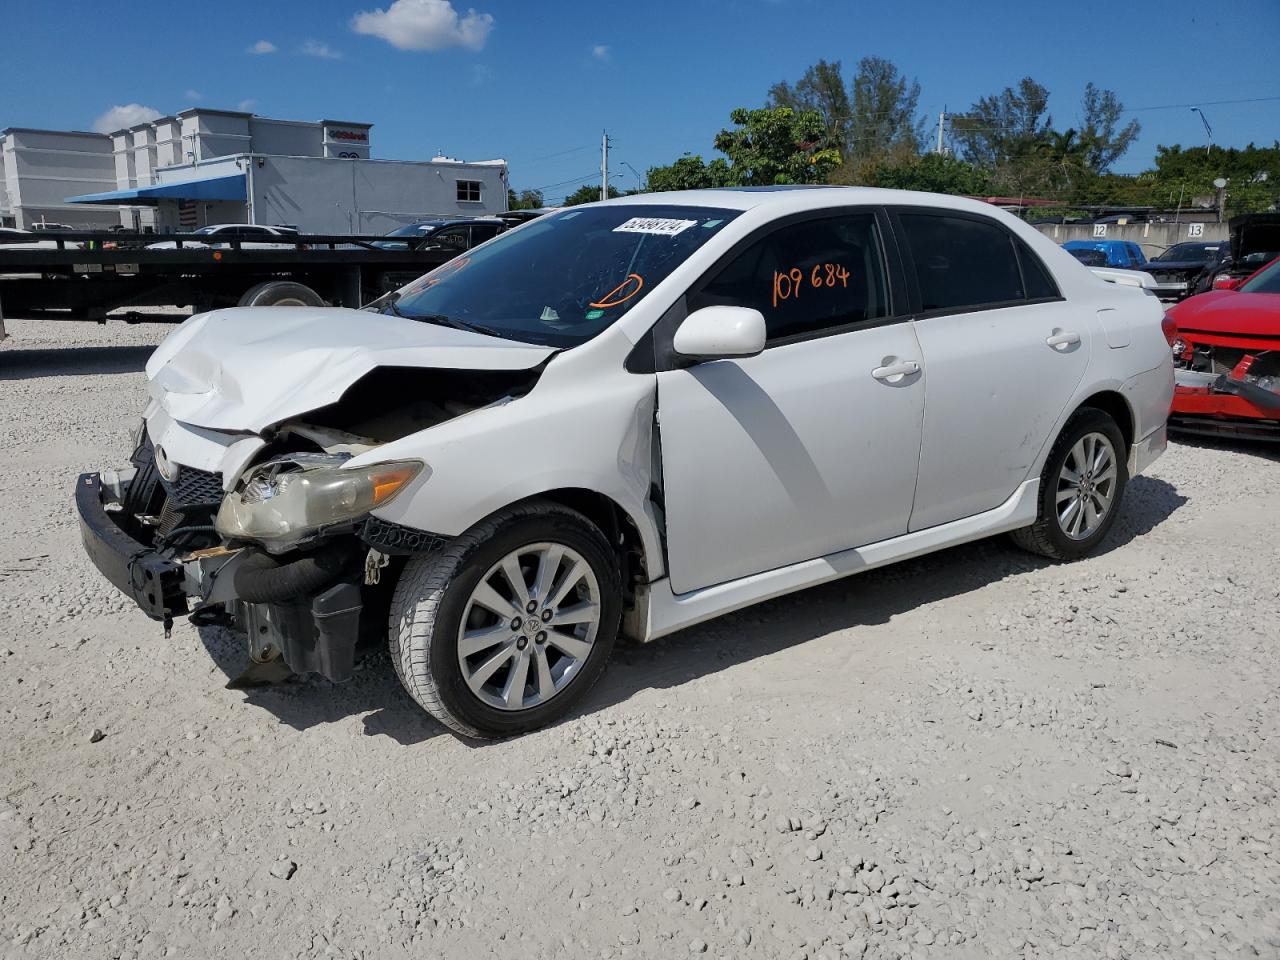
(287, 552)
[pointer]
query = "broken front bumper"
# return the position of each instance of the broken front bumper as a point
(315, 633)
(1220, 404)
(154, 583)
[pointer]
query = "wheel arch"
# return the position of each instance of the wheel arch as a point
(1113, 403)
(618, 526)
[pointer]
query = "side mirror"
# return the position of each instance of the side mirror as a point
(715, 333)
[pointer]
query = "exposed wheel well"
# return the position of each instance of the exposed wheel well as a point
(1111, 403)
(616, 524)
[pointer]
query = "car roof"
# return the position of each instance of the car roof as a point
(798, 197)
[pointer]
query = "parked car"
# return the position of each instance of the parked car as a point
(1255, 242)
(252, 236)
(1124, 254)
(445, 234)
(11, 238)
(630, 416)
(1089, 256)
(1227, 365)
(1185, 268)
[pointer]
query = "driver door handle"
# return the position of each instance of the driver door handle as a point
(900, 369)
(1063, 338)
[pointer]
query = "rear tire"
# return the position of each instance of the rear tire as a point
(281, 293)
(1075, 515)
(444, 635)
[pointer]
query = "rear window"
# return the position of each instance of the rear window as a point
(962, 262)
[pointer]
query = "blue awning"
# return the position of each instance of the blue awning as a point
(211, 188)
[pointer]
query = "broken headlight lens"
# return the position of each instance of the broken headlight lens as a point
(286, 501)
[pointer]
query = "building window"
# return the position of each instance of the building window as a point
(468, 191)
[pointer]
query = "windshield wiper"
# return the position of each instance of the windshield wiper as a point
(447, 321)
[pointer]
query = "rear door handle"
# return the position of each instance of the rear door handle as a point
(1063, 338)
(896, 371)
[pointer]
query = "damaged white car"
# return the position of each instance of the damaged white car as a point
(627, 417)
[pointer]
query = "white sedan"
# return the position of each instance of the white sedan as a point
(252, 236)
(626, 418)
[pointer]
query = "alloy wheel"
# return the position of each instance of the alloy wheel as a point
(1086, 486)
(529, 626)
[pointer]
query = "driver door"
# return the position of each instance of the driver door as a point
(812, 446)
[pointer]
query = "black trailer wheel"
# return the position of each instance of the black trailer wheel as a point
(281, 293)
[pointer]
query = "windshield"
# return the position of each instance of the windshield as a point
(1266, 281)
(1189, 253)
(561, 279)
(206, 229)
(412, 230)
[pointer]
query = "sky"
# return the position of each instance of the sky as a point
(536, 82)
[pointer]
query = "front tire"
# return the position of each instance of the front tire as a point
(506, 628)
(1080, 489)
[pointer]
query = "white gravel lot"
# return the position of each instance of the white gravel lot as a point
(972, 755)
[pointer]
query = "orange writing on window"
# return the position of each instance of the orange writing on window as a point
(443, 272)
(787, 284)
(623, 292)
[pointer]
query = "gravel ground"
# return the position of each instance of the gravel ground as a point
(972, 755)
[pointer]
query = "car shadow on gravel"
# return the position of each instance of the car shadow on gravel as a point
(876, 596)
(305, 702)
(72, 361)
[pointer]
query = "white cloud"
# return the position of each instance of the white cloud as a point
(425, 25)
(263, 46)
(601, 51)
(193, 95)
(246, 106)
(317, 48)
(117, 118)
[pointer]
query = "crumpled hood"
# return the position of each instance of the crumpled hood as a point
(248, 368)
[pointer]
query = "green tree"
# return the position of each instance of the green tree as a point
(874, 116)
(936, 173)
(885, 111)
(690, 173)
(589, 193)
(822, 89)
(1003, 128)
(777, 145)
(1104, 142)
(524, 200)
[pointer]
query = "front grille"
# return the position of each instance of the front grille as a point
(194, 487)
(190, 501)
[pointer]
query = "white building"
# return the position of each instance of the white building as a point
(219, 166)
(39, 169)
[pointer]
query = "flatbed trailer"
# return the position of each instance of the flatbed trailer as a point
(87, 275)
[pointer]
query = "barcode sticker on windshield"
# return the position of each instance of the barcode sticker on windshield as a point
(656, 225)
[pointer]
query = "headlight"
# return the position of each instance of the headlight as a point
(286, 501)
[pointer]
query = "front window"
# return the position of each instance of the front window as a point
(562, 279)
(808, 278)
(1188, 253)
(468, 191)
(1267, 281)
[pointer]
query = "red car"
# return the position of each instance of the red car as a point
(1226, 355)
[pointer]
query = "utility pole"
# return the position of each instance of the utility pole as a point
(942, 123)
(604, 165)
